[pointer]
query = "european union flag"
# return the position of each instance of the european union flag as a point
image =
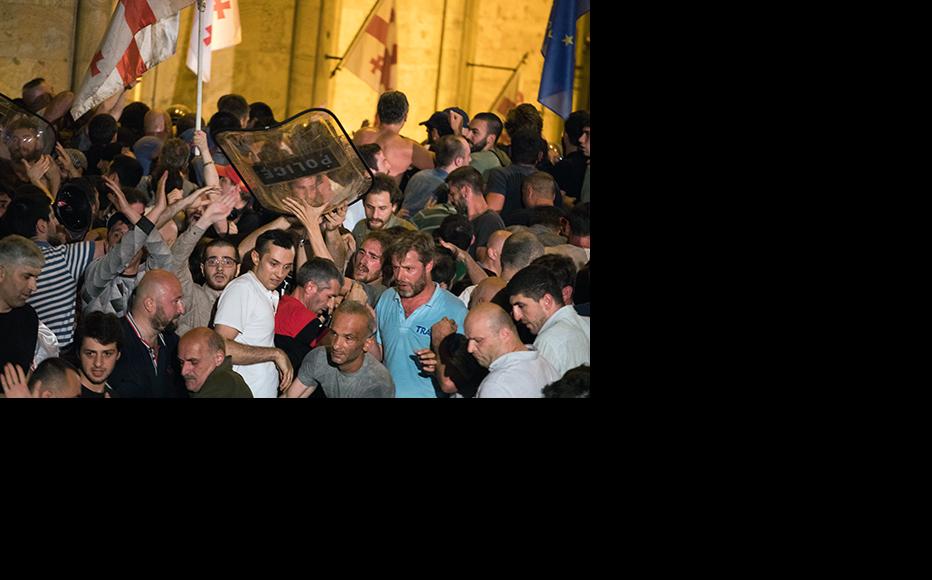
(559, 50)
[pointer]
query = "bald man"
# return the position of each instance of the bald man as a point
(206, 369)
(148, 367)
(515, 371)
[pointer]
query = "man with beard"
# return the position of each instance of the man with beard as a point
(466, 187)
(29, 164)
(483, 133)
(368, 262)
(31, 216)
(148, 366)
(207, 371)
(408, 310)
(99, 342)
(219, 264)
(378, 205)
(344, 369)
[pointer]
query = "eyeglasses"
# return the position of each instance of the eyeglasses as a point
(213, 262)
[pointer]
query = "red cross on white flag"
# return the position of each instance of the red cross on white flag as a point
(373, 57)
(142, 33)
(221, 30)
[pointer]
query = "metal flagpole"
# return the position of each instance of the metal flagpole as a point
(201, 7)
(355, 38)
(508, 82)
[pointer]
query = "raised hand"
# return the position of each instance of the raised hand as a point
(309, 215)
(334, 218)
(65, 163)
(221, 207)
(13, 381)
(200, 141)
(36, 171)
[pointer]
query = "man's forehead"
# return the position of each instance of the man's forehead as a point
(373, 246)
(89, 342)
(221, 251)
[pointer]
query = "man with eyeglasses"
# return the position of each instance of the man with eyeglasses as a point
(219, 265)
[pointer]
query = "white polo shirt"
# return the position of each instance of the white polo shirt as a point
(564, 340)
(249, 308)
(517, 375)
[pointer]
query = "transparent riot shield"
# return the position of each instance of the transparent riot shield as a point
(309, 157)
(23, 134)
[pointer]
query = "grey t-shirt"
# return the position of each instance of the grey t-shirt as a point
(372, 380)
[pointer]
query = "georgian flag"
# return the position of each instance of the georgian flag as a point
(221, 30)
(142, 33)
(373, 57)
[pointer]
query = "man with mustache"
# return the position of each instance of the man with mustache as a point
(407, 311)
(378, 206)
(368, 262)
(246, 316)
(207, 371)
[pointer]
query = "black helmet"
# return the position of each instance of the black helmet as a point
(73, 207)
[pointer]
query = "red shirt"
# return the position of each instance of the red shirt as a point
(292, 317)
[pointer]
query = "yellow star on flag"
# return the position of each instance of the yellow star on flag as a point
(568, 40)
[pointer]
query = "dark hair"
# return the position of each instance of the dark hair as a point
(222, 121)
(23, 213)
(444, 266)
(467, 174)
(524, 116)
(562, 267)
(128, 170)
(460, 366)
(392, 107)
(261, 114)
(319, 271)
(33, 83)
(578, 217)
(173, 182)
(133, 117)
(525, 146)
(449, 147)
(367, 152)
(575, 123)
(493, 123)
(220, 243)
(546, 215)
(101, 130)
(185, 122)
(280, 238)
(174, 154)
(134, 195)
(53, 373)
(382, 183)
(574, 384)
(534, 282)
(457, 230)
(419, 242)
(103, 327)
(235, 105)
(541, 181)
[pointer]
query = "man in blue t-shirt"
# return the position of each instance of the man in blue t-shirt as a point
(406, 312)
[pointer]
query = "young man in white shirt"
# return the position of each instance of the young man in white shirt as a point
(246, 316)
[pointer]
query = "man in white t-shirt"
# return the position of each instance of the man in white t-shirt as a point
(246, 316)
(515, 371)
(537, 301)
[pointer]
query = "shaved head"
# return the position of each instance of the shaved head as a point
(206, 337)
(497, 240)
(486, 290)
(154, 283)
(490, 333)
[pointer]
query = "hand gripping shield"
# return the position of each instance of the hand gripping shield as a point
(309, 157)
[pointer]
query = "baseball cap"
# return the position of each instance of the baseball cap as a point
(439, 121)
(78, 159)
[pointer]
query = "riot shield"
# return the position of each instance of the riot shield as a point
(23, 134)
(309, 157)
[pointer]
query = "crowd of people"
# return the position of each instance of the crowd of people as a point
(134, 261)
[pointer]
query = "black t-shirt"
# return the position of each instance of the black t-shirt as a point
(19, 329)
(570, 173)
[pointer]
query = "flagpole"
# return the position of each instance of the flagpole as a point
(508, 82)
(355, 38)
(201, 7)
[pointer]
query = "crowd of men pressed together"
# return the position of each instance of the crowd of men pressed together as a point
(462, 272)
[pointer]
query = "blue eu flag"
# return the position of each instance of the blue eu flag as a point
(559, 50)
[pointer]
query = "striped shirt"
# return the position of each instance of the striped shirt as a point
(57, 286)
